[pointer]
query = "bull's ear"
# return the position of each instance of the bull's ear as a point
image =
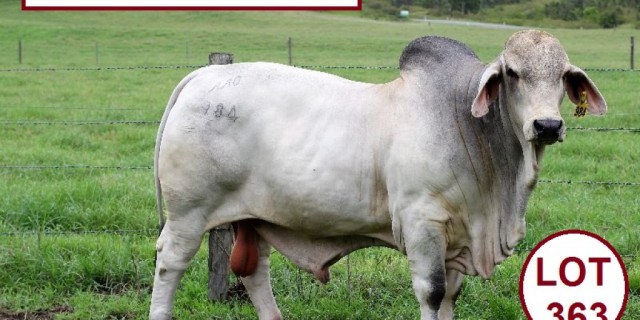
(576, 81)
(487, 89)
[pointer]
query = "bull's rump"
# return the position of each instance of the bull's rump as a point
(298, 148)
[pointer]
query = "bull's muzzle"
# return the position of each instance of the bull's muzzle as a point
(548, 131)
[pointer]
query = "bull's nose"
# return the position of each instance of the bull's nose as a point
(547, 131)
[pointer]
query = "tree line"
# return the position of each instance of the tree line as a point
(462, 6)
(605, 13)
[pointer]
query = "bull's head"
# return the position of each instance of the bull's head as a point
(530, 78)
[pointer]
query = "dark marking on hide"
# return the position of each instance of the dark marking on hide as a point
(438, 289)
(231, 82)
(221, 111)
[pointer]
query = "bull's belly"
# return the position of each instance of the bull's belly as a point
(317, 211)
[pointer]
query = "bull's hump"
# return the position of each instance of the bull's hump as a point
(429, 52)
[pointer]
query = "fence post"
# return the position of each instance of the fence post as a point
(20, 51)
(220, 58)
(633, 42)
(220, 238)
(289, 46)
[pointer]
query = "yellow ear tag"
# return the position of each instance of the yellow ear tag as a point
(581, 107)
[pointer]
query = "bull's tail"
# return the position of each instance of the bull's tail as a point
(163, 122)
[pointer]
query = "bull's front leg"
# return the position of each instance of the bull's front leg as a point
(425, 246)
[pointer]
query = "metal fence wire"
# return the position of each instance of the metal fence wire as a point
(196, 66)
(156, 122)
(150, 167)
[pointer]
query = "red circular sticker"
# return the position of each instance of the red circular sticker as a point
(574, 275)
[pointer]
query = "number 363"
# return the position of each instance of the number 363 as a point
(574, 312)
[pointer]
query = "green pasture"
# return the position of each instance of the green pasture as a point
(77, 208)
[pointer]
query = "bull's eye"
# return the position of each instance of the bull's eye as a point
(512, 74)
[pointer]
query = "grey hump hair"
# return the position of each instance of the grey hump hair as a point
(432, 48)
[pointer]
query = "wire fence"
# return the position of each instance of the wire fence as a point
(153, 232)
(151, 108)
(79, 123)
(73, 166)
(197, 66)
(111, 68)
(149, 167)
(147, 232)
(157, 122)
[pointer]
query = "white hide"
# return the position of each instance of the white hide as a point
(438, 163)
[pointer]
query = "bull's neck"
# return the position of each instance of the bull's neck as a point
(509, 171)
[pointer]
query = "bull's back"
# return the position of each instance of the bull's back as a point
(277, 142)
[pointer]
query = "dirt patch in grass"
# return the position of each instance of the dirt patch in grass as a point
(42, 314)
(238, 292)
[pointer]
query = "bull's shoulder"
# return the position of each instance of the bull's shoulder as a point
(435, 52)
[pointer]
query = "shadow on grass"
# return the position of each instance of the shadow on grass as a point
(42, 314)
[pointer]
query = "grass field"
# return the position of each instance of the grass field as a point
(78, 242)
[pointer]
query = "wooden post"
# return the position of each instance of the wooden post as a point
(220, 58)
(289, 46)
(220, 238)
(220, 243)
(20, 51)
(633, 43)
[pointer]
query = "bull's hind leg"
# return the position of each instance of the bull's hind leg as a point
(454, 283)
(259, 284)
(176, 246)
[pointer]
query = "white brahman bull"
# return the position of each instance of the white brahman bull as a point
(438, 163)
